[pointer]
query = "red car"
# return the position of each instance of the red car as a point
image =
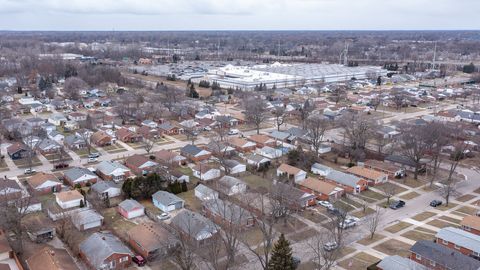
(139, 260)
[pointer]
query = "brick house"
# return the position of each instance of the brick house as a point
(291, 172)
(471, 224)
(323, 190)
(380, 166)
(101, 138)
(44, 183)
(372, 176)
(103, 250)
(140, 165)
(80, 176)
(194, 153)
(127, 136)
(112, 171)
(151, 240)
(242, 145)
(460, 240)
(262, 140)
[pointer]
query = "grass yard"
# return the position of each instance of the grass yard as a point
(361, 214)
(443, 207)
(409, 195)
(191, 202)
(351, 202)
(466, 197)
(291, 225)
(450, 219)
(372, 195)
(114, 148)
(418, 235)
(391, 186)
(361, 261)
(410, 182)
(423, 216)
(467, 210)
(394, 247)
(344, 206)
(23, 163)
(302, 235)
(3, 165)
(256, 182)
(312, 215)
(398, 227)
(441, 224)
(84, 152)
(367, 241)
(136, 145)
(252, 237)
(114, 221)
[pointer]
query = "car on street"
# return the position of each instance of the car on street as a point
(326, 204)
(92, 160)
(397, 204)
(30, 171)
(348, 223)
(163, 216)
(94, 155)
(139, 260)
(233, 131)
(60, 166)
(330, 246)
(435, 203)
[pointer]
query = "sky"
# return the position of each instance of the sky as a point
(239, 15)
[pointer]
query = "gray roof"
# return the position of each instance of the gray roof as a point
(460, 238)
(257, 158)
(191, 149)
(193, 224)
(469, 115)
(401, 160)
(445, 256)
(229, 181)
(166, 198)
(205, 190)
(108, 167)
(396, 262)
(343, 178)
(231, 163)
(86, 216)
(321, 167)
(227, 211)
(130, 205)
(101, 245)
(75, 173)
(279, 135)
(103, 186)
(48, 143)
(74, 139)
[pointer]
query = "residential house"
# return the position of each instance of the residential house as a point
(230, 185)
(48, 146)
(44, 183)
(205, 172)
(177, 175)
(471, 224)
(373, 177)
(194, 153)
(465, 242)
(349, 182)
(257, 160)
(396, 262)
(50, 258)
(220, 149)
(269, 152)
(403, 162)
(204, 193)
(131, 209)
(101, 138)
(106, 189)
(294, 197)
(167, 201)
(169, 129)
(8, 258)
(86, 219)
(291, 172)
(196, 227)
(17, 151)
(68, 199)
(234, 167)
(9, 190)
(77, 116)
(323, 190)
(169, 158)
(151, 240)
(439, 257)
(39, 228)
(57, 119)
(112, 171)
(320, 169)
(103, 250)
(75, 142)
(262, 140)
(140, 165)
(226, 213)
(56, 136)
(279, 136)
(127, 136)
(80, 176)
(149, 123)
(242, 145)
(384, 167)
(147, 132)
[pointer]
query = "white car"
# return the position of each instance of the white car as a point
(92, 160)
(163, 216)
(326, 204)
(330, 246)
(233, 132)
(30, 171)
(348, 223)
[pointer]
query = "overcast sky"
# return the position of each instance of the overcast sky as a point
(239, 14)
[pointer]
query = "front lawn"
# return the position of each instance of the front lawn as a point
(423, 216)
(394, 247)
(398, 227)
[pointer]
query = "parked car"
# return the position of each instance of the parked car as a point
(435, 203)
(397, 204)
(326, 204)
(348, 223)
(30, 171)
(61, 166)
(139, 260)
(330, 246)
(163, 216)
(233, 131)
(335, 211)
(94, 155)
(92, 160)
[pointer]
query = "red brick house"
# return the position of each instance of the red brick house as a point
(169, 128)
(242, 145)
(44, 183)
(151, 240)
(128, 136)
(101, 138)
(262, 140)
(323, 190)
(140, 165)
(471, 224)
(465, 242)
(194, 153)
(103, 250)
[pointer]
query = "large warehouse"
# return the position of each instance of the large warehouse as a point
(288, 75)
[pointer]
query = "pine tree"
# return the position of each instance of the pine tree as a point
(281, 258)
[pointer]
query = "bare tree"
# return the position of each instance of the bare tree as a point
(388, 190)
(305, 111)
(357, 129)
(316, 127)
(148, 144)
(438, 139)
(398, 98)
(449, 185)
(73, 86)
(338, 94)
(375, 102)
(279, 114)
(255, 111)
(13, 210)
(86, 138)
(415, 143)
(373, 220)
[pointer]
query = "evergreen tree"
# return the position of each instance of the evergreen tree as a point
(184, 186)
(281, 258)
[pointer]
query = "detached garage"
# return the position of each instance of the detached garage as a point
(131, 209)
(87, 219)
(167, 201)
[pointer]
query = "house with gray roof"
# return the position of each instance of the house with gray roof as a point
(48, 146)
(257, 160)
(433, 255)
(463, 241)
(194, 226)
(167, 201)
(103, 250)
(349, 182)
(396, 262)
(228, 213)
(195, 153)
(130, 208)
(106, 189)
(230, 185)
(112, 171)
(204, 193)
(80, 176)
(75, 142)
(86, 219)
(56, 136)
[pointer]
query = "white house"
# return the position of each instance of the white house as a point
(57, 119)
(270, 152)
(234, 167)
(149, 123)
(68, 199)
(231, 185)
(205, 193)
(131, 209)
(205, 172)
(106, 189)
(291, 172)
(320, 169)
(167, 201)
(86, 219)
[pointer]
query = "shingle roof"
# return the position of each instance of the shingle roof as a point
(289, 169)
(103, 186)
(151, 236)
(471, 221)
(318, 185)
(227, 211)
(366, 173)
(166, 198)
(229, 181)
(108, 167)
(401, 160)
(194, 224)
(396, 262)
(129, 205)
(460, 238)
(101, 245)
(205, 190)
(86, 216)
(444, 256)
(191, 149)
(343, 178)
(75, 173)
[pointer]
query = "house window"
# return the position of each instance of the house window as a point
(124, 259)
(466, 228)
(456, 247)
(418, 257)
(476, 254)
(432, 263)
